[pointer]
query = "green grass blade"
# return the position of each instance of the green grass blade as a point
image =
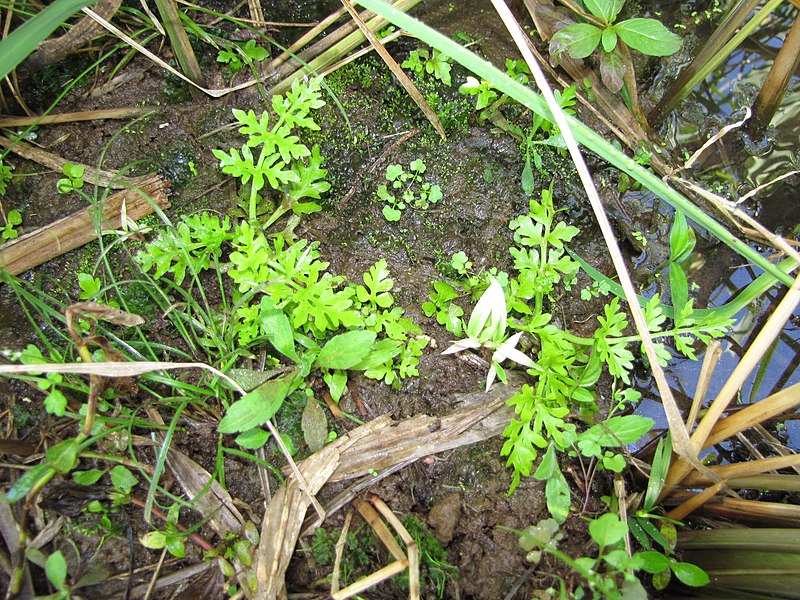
(755, 289)
(24, 39)
(583, 134)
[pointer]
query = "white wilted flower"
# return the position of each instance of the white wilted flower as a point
(487, 328)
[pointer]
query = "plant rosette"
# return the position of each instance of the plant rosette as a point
(407, 188)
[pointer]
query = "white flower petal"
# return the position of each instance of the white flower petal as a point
(460, 345)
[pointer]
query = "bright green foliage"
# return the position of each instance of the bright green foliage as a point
(434, 567)
(441, 306)
(279, 160)
(564, 367)
(90, 286)
(612, 573)
(5, 177)
(295, 280)
(55, 402)
(434, 63)
(282, 295)
(123, 480)
(13, 218)
(408, 189)
(55, 567)
(579, 40)
(195, 242)
(170, 538)
(238, 54)
(72, 180)
(377, 284)
(483, 91)
(356, 556)
(613, 350)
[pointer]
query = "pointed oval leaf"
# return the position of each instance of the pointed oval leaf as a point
(56, 569)
(648, 36)
(337, 383)
(679, 288)
(314, 425)
(275, 325)
(558, 496)
(253, 439)
(255, 408)
(548, 464)
(689, 574)
(579, 40)
(625, 429)
(345, 351)
(605, 10)
(681, 239)
(609, 39)
(652, 561)
(63, 457)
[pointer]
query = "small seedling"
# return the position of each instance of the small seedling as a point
(282, 162)
(408, 189)
(72, 180)
(238, 54)
(433, 62)
(170, 538)
(13, 218)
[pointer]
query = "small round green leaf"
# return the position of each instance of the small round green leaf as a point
(253, 439)
(56, 569)
(689, 574)
(122, 479)
(607, 529)
(391, 214)
(154, 540)
(87, 477)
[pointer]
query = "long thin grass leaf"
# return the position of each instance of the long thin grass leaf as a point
(23, 40)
